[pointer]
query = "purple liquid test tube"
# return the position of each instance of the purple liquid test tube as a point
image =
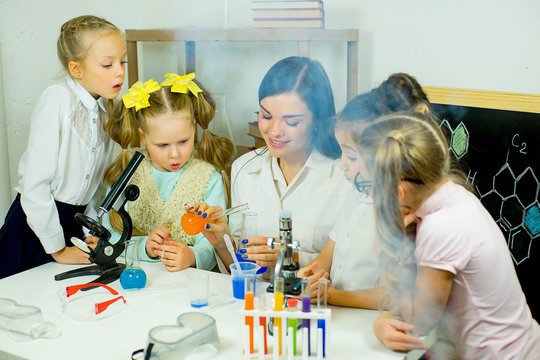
(306, 307)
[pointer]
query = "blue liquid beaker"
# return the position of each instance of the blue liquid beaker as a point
(133, 277)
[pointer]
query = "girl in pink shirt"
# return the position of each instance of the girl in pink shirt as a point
(442, 255)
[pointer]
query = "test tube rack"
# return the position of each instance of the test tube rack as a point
(287, 351)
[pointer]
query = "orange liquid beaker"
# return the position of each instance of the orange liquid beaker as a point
(192, 223)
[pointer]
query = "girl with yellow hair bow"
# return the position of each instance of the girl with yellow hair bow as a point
(162, 118)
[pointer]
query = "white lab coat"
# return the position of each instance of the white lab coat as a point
(314, 197)
(354, 263)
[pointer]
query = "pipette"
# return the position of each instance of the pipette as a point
(228, 243)
(192, 223)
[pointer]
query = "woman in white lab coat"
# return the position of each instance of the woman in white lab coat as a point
(297, 170)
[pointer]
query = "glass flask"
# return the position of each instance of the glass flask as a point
(133, 277)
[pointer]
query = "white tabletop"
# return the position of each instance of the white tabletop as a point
(164, 298)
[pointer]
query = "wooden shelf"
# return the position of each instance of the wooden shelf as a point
(303, 38)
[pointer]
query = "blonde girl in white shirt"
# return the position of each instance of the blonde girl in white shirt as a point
(68, 151)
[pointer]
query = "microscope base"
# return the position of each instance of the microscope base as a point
(107, 274)
(292, 287)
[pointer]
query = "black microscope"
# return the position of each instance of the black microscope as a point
(105, 253)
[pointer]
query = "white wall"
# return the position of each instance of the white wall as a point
(489, 45)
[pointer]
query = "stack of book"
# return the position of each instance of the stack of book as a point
(255, 133)
(288, 14)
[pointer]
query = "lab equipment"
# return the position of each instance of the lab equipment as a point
(286, 266)
(278, 306)
(321, 304)
(238, 275)
(199, 288)
(249, 304)
(272, 351)
(94, 304)
(306, 307)
(105, 253)
(193, 331)
(292, 322)
(25, 322)
(250, 226)
(362, 185)
(132, 277)
(192, 223)
(228, 243)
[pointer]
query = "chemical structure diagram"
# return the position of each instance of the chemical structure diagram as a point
(510, 201)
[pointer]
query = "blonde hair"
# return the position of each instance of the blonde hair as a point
(403, 147)
(72, 44)
(123, 124)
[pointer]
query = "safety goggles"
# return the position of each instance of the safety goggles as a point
(92, 304)
(25, 322)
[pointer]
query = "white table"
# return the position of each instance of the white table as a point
(160, 303)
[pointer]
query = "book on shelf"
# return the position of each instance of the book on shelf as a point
(287, 4)
(288, 23)
(276, 14)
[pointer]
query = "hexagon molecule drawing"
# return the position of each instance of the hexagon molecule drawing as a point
(458, 138)
(515, 208)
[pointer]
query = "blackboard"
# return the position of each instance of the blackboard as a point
(495, 137)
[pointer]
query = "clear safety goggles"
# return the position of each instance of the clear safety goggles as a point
(25, 322)
(92, 304)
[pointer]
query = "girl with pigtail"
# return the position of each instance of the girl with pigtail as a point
(163, 119)
(459, 269)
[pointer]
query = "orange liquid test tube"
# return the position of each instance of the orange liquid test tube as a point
(249, 304)
(279, 287)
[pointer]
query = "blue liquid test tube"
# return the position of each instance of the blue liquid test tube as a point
(321, 304)
(306, 307)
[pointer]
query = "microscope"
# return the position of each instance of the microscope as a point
(105, 253)
(286, 266)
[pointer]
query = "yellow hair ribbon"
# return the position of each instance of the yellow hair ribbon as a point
(181, 84)
(139, 93)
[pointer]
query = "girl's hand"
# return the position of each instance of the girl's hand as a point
(313, 281)
(256, 249)
(307, 270)
(155, 240)
(177, 256)
(216, 227)
(70, 255)
(91, 241)
(396, 335)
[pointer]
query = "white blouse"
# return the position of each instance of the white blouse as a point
(314, 197)
(65, 160)
(354, 262)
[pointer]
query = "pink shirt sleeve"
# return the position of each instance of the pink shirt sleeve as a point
(441, 244)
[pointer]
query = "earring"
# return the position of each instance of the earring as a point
(79, 77)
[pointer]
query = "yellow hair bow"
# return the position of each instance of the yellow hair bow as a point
(139, 93)
(181, 84)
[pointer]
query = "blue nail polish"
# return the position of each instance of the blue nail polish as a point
(242, 251)
(208, 226)
(244, 256)
(245, 241)
(199, 213)
(191, 208)
(205, 215)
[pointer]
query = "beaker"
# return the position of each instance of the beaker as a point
(133, 277)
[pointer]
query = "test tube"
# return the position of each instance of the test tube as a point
(321, 304)
(306, 307)
(292, 321)
(249, 304)
(261, 305)
(279, 285)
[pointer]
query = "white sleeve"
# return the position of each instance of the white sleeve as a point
(40, 166)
